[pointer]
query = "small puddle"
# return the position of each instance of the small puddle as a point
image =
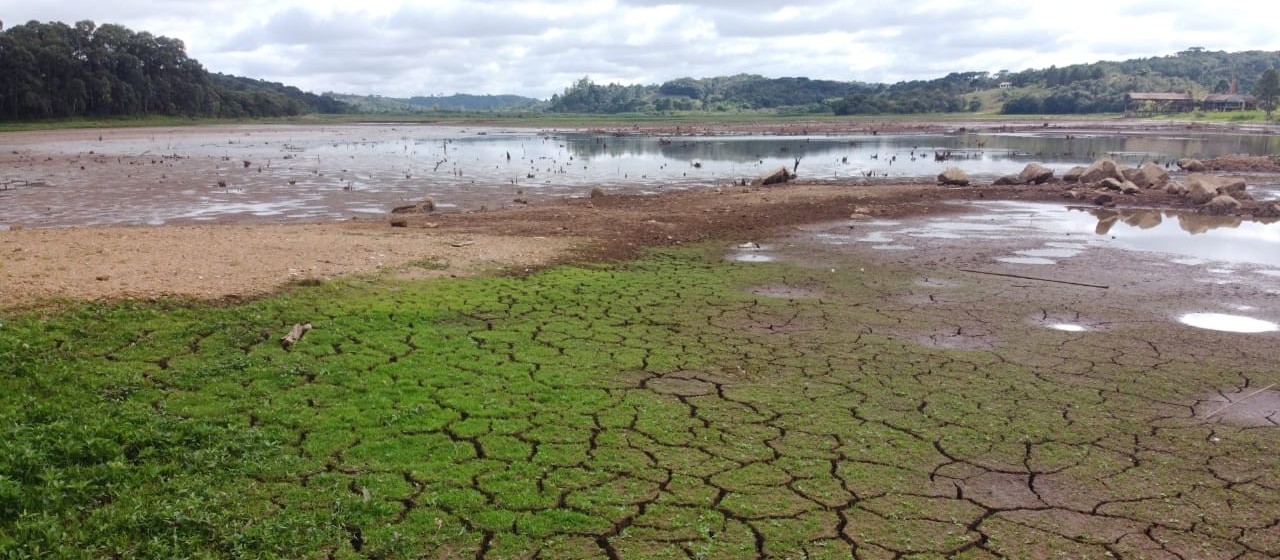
(1228, 323)
(1067, 327)
(753, 258)
(892, 247)
(1026, 260)
(1053, 252)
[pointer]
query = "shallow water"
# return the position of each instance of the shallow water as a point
(1228, 323)
(310, 173)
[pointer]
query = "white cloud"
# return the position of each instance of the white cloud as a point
(403, 48)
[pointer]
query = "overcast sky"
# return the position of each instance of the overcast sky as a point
(536, 48)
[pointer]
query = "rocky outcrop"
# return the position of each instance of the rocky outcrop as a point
(1201, 184)
(1191, 165)
(775, 177)
(1034, 174)
(953, 176)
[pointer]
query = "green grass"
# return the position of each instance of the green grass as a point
(654, 408)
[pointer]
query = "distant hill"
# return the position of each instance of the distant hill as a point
(455, 102)
(55, 70)
(1099, 87)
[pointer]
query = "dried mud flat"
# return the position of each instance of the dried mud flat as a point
(868, 405)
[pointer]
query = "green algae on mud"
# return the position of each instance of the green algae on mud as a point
(655, 408)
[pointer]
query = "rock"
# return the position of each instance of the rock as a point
(597, 192)
(775, 177)
(1201, 189)
(1191, 165)
(399, 222)
(1101, 169)
(1104, 200)
(953, 176)
(421, 207)
(1175, 187)
(1111, 183)
(1155, 176)
(1233, 187)
(1006, 180)
(1135, 176)
(1073, 175)
(1129, 188)
(1222, 204)
(1034, 174)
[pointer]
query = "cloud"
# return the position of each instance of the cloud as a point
(537, 47)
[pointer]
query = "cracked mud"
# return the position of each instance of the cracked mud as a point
(675, 406)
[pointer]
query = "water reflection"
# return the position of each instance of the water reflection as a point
(1228, 323)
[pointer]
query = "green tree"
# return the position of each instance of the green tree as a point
(1267, 90)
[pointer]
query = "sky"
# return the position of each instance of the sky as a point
(400, 48)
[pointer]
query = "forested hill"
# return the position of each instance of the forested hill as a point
(1083, 88)
(55, 70)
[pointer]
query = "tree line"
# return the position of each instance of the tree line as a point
(1082, 88)
(54, 70)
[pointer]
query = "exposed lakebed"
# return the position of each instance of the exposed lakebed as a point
(314, 173)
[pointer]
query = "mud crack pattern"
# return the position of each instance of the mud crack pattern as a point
(669, 408)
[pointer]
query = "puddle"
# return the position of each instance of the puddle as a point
(1228, 323)
(1246, 407)
(1067, 327)
(892, 247)
(1026, 260)
(1054, 252)
(753, 258)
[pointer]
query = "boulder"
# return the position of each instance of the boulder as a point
(1199, 190)
(1101, 169)
(1191, 165)
(1176, 188)
(1135, 176)
(1034, 174)
(1156, 177)
(775, 177)
(1073, 175)
(1007, 180)
(1104, 200)
(1112, 184)
(1222, 204)
(1233, 187)
(953, 176)
(1128, 187)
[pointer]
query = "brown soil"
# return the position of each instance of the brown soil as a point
(1238, 163)
(221, 262)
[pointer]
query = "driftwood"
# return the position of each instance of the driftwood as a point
(1242, 399)
(295, 334)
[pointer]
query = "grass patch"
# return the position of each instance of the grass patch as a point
(502, 417)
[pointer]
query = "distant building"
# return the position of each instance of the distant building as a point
(1139, 103)
(1228, 102)
(1006, 85)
